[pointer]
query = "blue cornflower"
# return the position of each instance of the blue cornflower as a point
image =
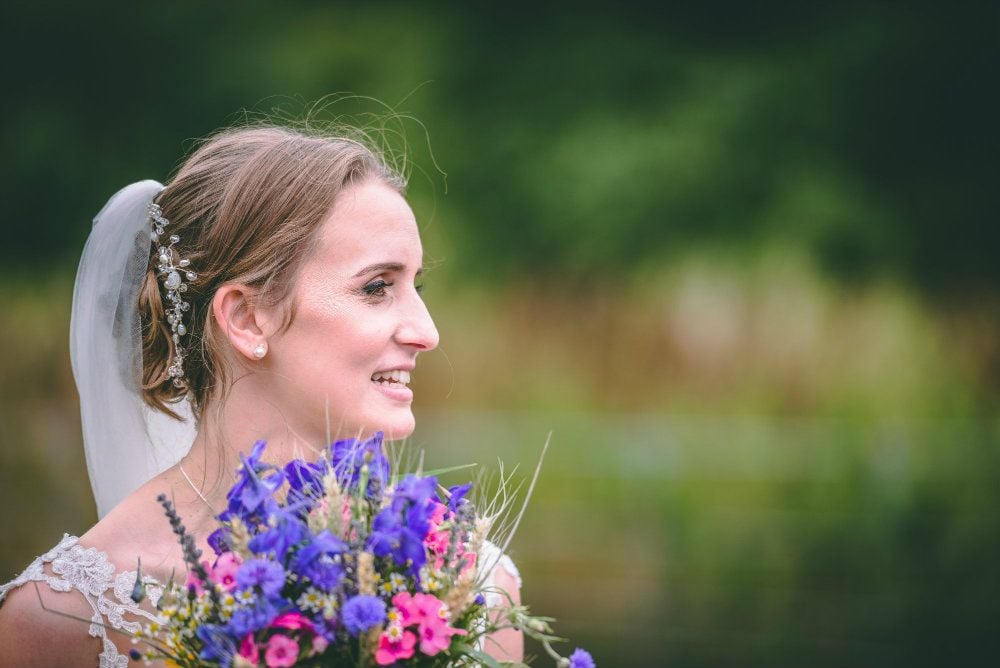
(349, 455)
(362, 613)
(316, 560)
(581, 659)
(268, 575)
(252, 618)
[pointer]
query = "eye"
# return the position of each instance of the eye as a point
(376, 288)
(419, 287)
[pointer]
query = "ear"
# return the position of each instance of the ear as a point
(243, 324)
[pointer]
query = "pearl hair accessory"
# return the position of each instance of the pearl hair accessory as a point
(260, 351)
(175, 286)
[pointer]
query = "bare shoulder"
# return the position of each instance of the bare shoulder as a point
(36, 631)
(136, 528)
(46, 620)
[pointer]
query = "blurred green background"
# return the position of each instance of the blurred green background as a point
(740, 258)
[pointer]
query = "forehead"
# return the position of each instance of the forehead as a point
(369, 222)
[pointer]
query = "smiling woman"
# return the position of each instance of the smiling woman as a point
(359, 320)
(268, 292)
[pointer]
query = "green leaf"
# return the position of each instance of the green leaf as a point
(484, 658)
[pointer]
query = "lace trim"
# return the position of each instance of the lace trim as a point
(88, 571)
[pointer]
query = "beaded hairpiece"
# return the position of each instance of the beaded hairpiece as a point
(174, 285)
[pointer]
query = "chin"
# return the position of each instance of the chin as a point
(394, 427)
(398, 429)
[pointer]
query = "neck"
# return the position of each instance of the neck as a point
(231, 426)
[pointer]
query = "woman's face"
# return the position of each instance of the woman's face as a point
(359, 320)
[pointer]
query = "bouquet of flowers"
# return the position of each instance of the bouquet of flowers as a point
(338, 562)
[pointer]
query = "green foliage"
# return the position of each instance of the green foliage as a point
(576, 145)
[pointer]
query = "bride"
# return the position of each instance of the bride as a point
(269, 291)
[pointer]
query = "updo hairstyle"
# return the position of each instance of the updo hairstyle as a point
(247, 205)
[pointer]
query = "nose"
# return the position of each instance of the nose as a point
(416, 328)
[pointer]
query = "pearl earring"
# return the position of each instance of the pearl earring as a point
(260, 351)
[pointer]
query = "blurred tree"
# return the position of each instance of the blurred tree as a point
(583, 142)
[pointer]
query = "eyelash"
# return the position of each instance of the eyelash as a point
(377, 288)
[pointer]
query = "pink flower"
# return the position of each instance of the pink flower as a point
(319, 644)
(437, 539)
(292, 621)
(435, 635)
(414, 609)
(430, 607)
(438, 516)
(407, 607)
(248, 649)
(281, 652)
(431, 614)
(194, 581)
(345, 520)
(389, 652)
(469, 561)
(224, 571)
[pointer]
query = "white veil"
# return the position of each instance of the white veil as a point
(125, 441)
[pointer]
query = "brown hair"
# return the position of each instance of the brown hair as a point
(246, 205)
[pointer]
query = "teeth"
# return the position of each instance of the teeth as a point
(394, 376)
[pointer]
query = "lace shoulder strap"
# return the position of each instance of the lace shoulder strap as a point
(491, 558)
(71, 567)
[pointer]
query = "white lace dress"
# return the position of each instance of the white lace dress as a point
(71, 567)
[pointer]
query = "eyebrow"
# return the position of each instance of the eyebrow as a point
(384, 266)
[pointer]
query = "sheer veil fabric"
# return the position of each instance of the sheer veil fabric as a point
(126, 443)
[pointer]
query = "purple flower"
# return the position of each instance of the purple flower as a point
(413, 490)
(398, 531)
(220, 540)
(581, 659)
(385, 533)
(251, 497)
(268, 575)
(286, 530)
(316, 560)
(217, 645)
(305, 482)
(456, 496)
(326, 627)
(349, 455)
(362, 613)
(252, 618)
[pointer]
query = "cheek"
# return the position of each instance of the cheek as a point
(333, 336)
